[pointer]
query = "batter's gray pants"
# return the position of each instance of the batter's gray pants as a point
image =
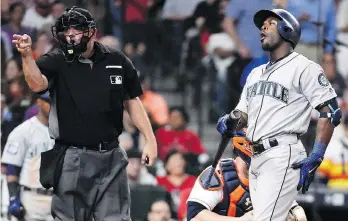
(93, 186)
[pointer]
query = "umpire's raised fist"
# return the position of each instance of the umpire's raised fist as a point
(23, 44)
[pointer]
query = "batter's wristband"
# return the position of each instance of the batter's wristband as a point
(319, 148)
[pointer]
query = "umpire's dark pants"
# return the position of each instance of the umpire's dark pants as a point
(93, 186)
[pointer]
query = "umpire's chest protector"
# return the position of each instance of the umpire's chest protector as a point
(236, 200)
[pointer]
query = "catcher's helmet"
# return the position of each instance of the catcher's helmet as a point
(79, 19)
(241, 148)
(288, 27)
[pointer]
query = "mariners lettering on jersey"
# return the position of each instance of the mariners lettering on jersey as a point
(272, 89)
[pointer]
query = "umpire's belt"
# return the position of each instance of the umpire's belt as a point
(38, 191)
(262, 145)
(103, 146)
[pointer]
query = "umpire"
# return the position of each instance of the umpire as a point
(90, 85)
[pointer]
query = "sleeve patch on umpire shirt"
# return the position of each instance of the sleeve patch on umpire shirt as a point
(12, 148)
(323, 81)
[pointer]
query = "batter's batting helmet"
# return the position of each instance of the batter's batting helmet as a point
(288, 27)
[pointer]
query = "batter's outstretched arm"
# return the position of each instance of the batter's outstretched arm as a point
(324, 128)
(330, 117)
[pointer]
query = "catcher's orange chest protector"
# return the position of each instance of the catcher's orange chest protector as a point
(236, 201)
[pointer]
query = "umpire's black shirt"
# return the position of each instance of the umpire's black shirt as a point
(87, 95)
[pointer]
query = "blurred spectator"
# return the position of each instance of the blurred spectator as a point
(15, 25)
(12, 70)
(240, 26)
(251, 65)
(114, 18)
(182, 208)
(98, 11)
(342, 37)
(179, 10)
(221, 49)
(110, 41)
(70, 3)
(176, 180)
(137, 172)
(318, 26)
(280, 3)
(42, 45)
(131, 138)
(12, 118)
(334, 168)
(38, 15)
(142, 197)
(175, 14)
(207, 16)
(126, 141)
(160, 211)
(58, 8)
(31, 111)
(135, 23)
(4, 11)
(154, 103)
(176, 135)
(335, 78)
(137, 56)
(4, 108)
(18, 90)
(6, 49)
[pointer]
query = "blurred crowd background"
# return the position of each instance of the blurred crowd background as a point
(193, 58)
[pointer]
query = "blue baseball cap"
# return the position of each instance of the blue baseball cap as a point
(45, 97)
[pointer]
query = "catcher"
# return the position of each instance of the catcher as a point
(228, 196)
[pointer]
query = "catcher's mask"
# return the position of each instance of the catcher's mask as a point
(241, 148)
(79, 19)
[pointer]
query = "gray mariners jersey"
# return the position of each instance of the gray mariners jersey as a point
(23, 148)
(279, 99)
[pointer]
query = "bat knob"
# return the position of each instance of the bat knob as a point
(232, 117)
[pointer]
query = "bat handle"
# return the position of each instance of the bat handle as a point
(206, 183)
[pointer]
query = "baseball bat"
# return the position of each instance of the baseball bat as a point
(232, 123)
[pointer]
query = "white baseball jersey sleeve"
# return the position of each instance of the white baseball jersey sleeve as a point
(279, 99)
(23, 148)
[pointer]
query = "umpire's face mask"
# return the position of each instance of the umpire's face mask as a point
(73, 31)
(73, 42)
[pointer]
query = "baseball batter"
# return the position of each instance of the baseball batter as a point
(276, 105)
(21, 158)
(228, 197)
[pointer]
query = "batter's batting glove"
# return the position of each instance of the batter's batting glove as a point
(309, 165)
(15, 208)
(224, 130)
